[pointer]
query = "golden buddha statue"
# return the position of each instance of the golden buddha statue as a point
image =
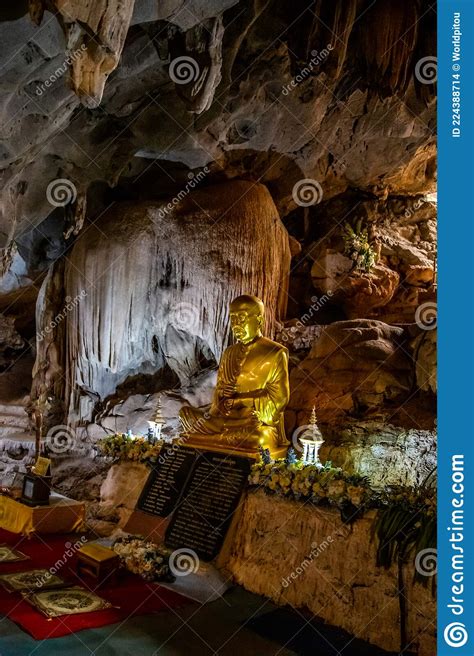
(251, 394)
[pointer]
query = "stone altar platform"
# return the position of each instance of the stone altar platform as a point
(305, 556)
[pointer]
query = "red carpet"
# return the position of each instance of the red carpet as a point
(130, 595)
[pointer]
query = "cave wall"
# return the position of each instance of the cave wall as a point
(159, 158)
(402, 233)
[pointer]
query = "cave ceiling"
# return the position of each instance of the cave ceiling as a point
(129, 99)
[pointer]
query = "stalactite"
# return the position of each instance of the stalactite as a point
(149, 288)
(196, 60)
(332, 24)
(48, 371)
(386, 37)
(426, 47)
(384, 43)
(95, 32)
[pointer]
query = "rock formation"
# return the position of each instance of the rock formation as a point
(111, 110)
(353, 368)
(10, 341)
(95, 35)
(147, 288)
(275, 96)
(403, 241)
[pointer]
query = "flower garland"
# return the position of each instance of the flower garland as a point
(321, 485)
(357, 246)
(144, 558)
(122, 448)
(328, 485)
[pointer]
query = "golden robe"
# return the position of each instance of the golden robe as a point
(254, 416)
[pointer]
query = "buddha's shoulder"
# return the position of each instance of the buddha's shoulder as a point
(263, 345)
(268, 345)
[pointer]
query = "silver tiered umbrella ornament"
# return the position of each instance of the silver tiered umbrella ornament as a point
(155, 425)
(311, 440)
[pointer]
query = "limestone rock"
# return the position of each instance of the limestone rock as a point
(102, 518)
(119, 493)
(297, 336)
(15, 455)
(123, 484)
(136, 410)
(403, 239)
(95, 34)
(425, 349)
(10, 341)
(258, 120)
(355, 367)
(359, 293)
(79, 476)
(201, 56)
(387, 454)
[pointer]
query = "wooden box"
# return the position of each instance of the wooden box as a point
(98, 562)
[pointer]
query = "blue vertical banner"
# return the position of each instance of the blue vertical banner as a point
(456, 328)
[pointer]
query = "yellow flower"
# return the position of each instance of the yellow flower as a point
(336, 489)
(318, 489)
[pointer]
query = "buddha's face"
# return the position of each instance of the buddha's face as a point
(245, 321)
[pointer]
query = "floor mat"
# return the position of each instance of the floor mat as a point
(128, 596)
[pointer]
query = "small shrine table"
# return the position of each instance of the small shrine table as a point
(98, 562)
(62, 515)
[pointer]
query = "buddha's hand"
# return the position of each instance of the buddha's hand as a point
(227, 391)
(255, 419)
(227, 405)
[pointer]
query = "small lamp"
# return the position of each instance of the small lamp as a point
(312, 440)
(155, 425)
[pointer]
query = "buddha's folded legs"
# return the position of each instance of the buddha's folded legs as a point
(194, 420)
(249, 438)
(237, 436)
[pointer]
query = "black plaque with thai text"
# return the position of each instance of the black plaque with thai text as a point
(210, 497)
(166, 482)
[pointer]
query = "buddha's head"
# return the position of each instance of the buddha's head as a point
(246, 318)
